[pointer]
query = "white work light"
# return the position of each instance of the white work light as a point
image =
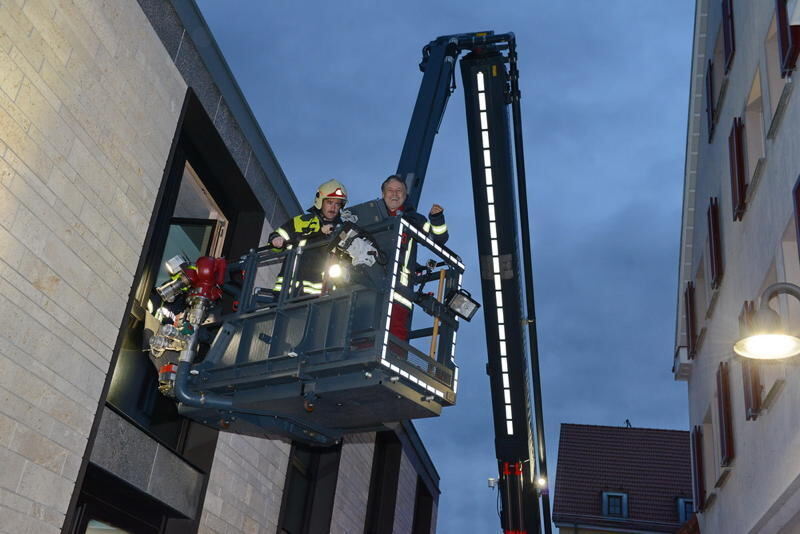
(462, 303)
(335, 271)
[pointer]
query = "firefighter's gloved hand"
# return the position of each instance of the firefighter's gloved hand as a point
(278, 242)
(362, 252)
(436, 208)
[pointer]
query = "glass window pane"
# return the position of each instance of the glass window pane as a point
(98, 527)
(614, 505)
(191, 240)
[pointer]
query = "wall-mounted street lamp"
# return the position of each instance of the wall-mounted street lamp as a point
(766, 339)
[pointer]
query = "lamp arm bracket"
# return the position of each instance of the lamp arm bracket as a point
(776, 289)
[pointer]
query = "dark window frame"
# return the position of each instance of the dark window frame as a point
(729, 34)
(319, 468)
(618, 498)
(710, 104)
(725, 412)
(424, 505)
(383, 483)
(788, 38)
(691, 320)
(738, 169)
(715, 256)
(698, 472)
(685, 514)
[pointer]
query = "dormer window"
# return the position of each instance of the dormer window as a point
(685, 509)
(615, 504)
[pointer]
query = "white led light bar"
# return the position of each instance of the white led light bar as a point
(493, 243)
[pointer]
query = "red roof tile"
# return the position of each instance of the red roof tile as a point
(652, 466)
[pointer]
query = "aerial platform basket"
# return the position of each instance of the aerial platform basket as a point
(314, 367)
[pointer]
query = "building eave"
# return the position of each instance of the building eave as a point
(693, 129)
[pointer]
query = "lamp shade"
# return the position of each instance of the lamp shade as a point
(766, 339)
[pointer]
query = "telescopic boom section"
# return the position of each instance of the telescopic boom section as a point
(489, 90)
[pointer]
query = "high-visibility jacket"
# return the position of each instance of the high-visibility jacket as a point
(299, 231)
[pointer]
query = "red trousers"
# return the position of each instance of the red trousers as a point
(400, 322)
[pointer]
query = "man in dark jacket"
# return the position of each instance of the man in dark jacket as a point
(394, 193)
(319, 222)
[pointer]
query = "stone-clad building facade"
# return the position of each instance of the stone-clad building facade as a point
(122, 132)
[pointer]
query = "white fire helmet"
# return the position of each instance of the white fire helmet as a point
(330, 189)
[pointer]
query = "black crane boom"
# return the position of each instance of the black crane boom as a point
(490, 80)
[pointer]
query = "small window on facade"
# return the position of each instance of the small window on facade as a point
(710, 98)
(728, 33)
(382, 499)
(715, 261)
(691, 320)
(716, 82)
(685, 509)
(737, 169)
(788, 38)
(790, 272)
(309, 490)
(718, 66)
(775, 81)
(702, 293)
(698, 467)
(725, 415)
(710, 448)
(754, 130)
(615, 504)
(423, 509)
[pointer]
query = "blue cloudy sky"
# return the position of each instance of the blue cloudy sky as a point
(605, 94)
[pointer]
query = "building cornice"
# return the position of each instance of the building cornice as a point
(694, 122)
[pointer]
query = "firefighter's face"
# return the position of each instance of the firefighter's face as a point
(394, 194)
(331, 207)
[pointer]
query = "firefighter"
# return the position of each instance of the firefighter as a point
(319, 222)
(394, 193)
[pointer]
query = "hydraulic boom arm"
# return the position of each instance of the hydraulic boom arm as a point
(490, 80)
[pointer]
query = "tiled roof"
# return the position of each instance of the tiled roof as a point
(652, 466)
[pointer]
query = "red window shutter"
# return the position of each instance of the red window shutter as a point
(710, 98)
(691, 321)
(728, 33)
(751, 376)
(698, 478)
(714, 243)
(788, 38)
(725, 415)
(736, 156)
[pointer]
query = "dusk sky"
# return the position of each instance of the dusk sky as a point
(604, 104)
